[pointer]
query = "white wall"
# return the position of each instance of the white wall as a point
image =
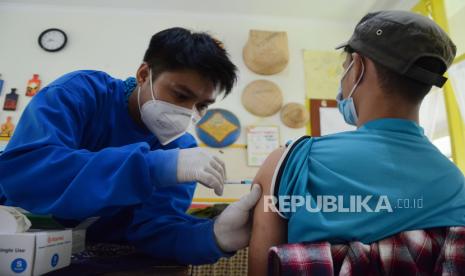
(114, 40)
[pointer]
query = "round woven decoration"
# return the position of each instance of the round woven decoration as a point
(262, 98)
(266, 52)
(294, 115)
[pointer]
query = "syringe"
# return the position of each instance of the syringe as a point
(243, 181)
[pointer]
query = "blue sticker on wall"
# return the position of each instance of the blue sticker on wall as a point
(18, 265)
(219, 128)
(1, 86)
(54, 260)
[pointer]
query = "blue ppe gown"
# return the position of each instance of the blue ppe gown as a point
(76, 153)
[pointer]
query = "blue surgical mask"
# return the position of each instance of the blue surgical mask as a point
(346, 106)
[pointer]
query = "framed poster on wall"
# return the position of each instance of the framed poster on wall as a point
(325, 118)
(261, 141)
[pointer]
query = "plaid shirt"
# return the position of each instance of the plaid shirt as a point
(436, 251)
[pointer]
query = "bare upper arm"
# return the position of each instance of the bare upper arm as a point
(268, 228)
(265, 173)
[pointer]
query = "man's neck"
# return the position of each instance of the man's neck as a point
(390, 110)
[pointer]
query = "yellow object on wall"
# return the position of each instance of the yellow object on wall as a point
(460, 58)
(322, 72)
(436, 10)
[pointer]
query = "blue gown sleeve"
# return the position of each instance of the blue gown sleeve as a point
(162, 228)
(44, 170)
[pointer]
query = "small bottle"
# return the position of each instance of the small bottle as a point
(7, 128)
(1, 84)
(11, 100)
(33, 85)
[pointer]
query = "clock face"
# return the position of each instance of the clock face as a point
(52, 40)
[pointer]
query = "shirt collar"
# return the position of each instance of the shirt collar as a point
(395, 125)
(129, 85)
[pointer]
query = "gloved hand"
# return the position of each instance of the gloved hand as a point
(233, 226)
(196, 164)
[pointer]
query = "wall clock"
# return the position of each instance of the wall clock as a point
(53, 40)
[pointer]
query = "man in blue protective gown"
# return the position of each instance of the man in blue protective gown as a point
(91, 145)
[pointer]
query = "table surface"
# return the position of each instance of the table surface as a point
(116, 260)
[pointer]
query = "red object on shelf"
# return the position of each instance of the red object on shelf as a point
(200, 205)
(33, 85)
(11, 100)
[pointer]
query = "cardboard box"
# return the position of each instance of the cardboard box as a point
(79, 235)
(35, 252)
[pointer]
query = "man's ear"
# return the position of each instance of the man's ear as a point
(142, 73)
(357, 68)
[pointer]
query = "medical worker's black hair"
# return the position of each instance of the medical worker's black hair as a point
(178, 49)
(410, 89)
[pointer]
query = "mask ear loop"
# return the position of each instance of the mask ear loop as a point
(151, 85)
(138, 98)
(358, 81)
(347, 70)
(343, 76)
(151, 90)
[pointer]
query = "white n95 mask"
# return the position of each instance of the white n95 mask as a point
(165, 120)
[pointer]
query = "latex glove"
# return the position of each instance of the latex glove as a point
(233, 226)
(196, 164)
(13, 221)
